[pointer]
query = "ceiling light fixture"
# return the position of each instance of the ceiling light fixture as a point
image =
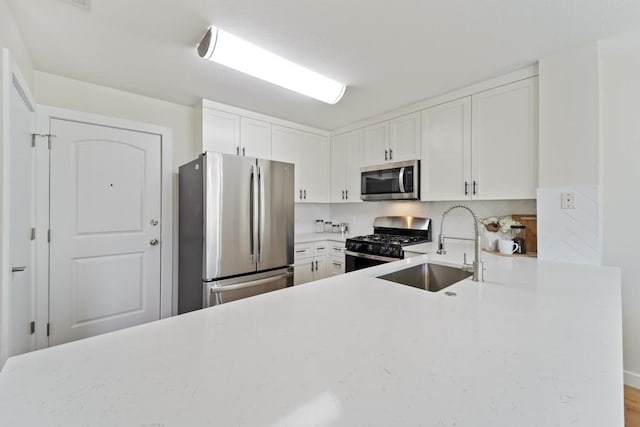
(226, 49)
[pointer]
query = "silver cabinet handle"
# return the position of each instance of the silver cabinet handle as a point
(316, 265)
(300, 194)
(238, 150)
(466, 188)
(346, 194)
(301, 251)
(311, 265)
(154, 242)
(386, 153)
(243, 151)
(16, 269)
(390, 154)
(305, 194)
(322, 248)
(342, 194)
(337, 264)
(475, 185)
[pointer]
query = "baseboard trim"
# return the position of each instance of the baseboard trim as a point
(632, 379)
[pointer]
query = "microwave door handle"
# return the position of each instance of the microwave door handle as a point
(401, 180)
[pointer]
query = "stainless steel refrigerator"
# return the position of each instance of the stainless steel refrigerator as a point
(236, 229)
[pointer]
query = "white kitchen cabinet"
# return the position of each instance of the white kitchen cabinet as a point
(482, 147)
(505, 141)
(392, 141)
(255, 138)
(375, 148)
(315, 168)
(336, 261)
(404, 138)
(346, 160)
(446, 151)
(220, 131)
(286, 146)
(310, 262)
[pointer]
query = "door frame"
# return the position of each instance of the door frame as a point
(44, 115)
(10, 74)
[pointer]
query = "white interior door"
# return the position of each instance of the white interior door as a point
(105, 212)
(21, 247)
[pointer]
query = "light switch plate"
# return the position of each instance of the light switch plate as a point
(568, 200)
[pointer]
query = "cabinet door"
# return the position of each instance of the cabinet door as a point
(353, 164)
(286, 146)
(315, 168)
(376, 144)
(255, 138)
(220, 131)
(320, 267)
(303, 271)
(404, 137)
(338, 167)
(445, 167)
(505, 140)
(336, 266)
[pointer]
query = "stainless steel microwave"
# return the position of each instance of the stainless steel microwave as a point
(391, 181)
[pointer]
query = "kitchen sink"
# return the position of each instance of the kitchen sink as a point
(427, 276)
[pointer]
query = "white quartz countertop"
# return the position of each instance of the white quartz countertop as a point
(536, 344)
(318, 237)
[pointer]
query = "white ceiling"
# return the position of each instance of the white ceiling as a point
(389, 53)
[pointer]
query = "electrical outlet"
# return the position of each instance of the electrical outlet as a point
(568, 200)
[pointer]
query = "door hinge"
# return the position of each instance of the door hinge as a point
(32, 326)
(49, 235)
(48, 328)
(33, 234)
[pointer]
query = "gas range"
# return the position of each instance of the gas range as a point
(391, 234)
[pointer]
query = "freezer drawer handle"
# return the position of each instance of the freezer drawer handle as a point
(216, 290)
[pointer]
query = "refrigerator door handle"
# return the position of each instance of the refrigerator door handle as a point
(252, 208)
(227, 288)
(261, 212)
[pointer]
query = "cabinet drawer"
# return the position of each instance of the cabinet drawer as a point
(303, 250)
(336, 266)
(320, 248)
(336, 249)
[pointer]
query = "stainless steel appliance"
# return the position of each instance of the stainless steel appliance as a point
(391, 235)
(236, 229)
(391, 181)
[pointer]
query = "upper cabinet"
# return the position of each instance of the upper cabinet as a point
(255, 138)
(220, 131)
(404, 137)
(233, 134)
(346, 160)
(392, 141)
(446, 151)
(482, 147)
(505, 141)
(310, 154)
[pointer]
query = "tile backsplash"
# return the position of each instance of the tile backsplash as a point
(569, 235)
(360, 216)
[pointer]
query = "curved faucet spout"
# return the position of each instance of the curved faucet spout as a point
(477, 263)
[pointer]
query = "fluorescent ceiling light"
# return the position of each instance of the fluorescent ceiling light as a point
(233, 52)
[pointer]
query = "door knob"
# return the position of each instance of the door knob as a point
(154, 242)
(153, 222)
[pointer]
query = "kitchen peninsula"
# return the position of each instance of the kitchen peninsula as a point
(536, 344)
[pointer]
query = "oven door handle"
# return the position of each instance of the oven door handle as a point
(370, 256)
(401, 180)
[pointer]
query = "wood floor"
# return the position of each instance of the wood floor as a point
(631, 407)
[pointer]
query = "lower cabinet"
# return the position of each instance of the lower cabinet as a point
(317, 260)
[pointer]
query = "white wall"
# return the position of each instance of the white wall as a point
(620, 65)
(569, 144)
(569, 117)
(90, 98)
(11, 38)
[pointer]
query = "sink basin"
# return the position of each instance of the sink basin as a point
(429, 277)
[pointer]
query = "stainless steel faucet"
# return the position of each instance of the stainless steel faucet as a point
(477, 266)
